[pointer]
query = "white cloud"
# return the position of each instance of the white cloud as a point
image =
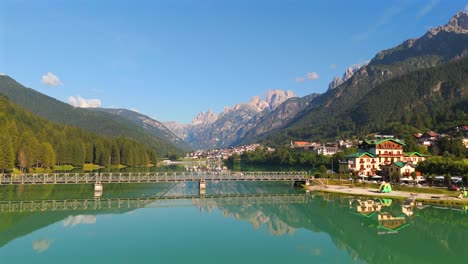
(41, 245)
(428, 8)
(309, 76)
(135, 110)
(299, 79)
(312, 76)
(2, 74)
(51, 79)
(332, 66)
(83, 102)
(466, 8)
(72, 221)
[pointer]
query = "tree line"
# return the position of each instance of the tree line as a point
(287, 156)
(443, 166)
(28, 142)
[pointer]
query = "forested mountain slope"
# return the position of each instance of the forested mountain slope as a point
(411, 84)
(428, 99)
(102, 123)
(150, 125)
(31, 142)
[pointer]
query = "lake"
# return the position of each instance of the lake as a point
(235, 222)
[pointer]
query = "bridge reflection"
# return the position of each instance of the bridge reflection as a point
(149, 202)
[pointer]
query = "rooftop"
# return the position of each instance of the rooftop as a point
(376, 142)
(359, 154)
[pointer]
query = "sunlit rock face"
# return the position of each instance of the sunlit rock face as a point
(212, 130)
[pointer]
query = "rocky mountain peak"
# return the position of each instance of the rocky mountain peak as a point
(205, 118)
(273, 99)
(349, 72)
(277, 97)
(258, 104)
(337, 81)
(457, 24)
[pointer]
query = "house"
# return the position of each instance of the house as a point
(427, 139)
(403, 168)
(326, 149)
(364, 163)
(414, 157)
(374, 155)
(304, 145)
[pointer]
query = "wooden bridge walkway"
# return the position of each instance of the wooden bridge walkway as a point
(157, 201)
(147, 177)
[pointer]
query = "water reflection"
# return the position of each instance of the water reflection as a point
(390, 220)
(368, 230)
(372, 230)
(74, 220)
(41, 245)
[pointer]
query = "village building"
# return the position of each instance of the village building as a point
(375, 156)
(402, 168)
(427, 139)
(322, 149)
(326, 149)
(303, 145)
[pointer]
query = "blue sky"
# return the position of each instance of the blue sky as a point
(173, 59)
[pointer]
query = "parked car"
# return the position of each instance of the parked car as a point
(439, 182)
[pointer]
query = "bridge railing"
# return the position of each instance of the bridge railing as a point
(130, 177)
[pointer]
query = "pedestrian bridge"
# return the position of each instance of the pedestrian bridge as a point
(149, 202)
(149, 177)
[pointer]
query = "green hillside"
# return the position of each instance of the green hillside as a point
(31, 143)
(102, 123)
(150, 125)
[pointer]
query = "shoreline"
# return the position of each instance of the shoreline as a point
(401, 195)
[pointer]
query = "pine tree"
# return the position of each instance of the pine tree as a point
(115, 154)
(48, 155)
(7, 155)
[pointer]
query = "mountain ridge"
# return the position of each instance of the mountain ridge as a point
(102, 123)
(329, 117)
(214, 130)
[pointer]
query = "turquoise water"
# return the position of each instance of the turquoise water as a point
(223, 229)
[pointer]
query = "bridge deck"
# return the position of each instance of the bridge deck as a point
(150, 177)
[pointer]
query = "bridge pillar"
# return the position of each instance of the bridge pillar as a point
(98, 189)
(202, 187)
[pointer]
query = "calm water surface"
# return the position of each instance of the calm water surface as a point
(232, 224)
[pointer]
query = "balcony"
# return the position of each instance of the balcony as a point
(390, 155)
